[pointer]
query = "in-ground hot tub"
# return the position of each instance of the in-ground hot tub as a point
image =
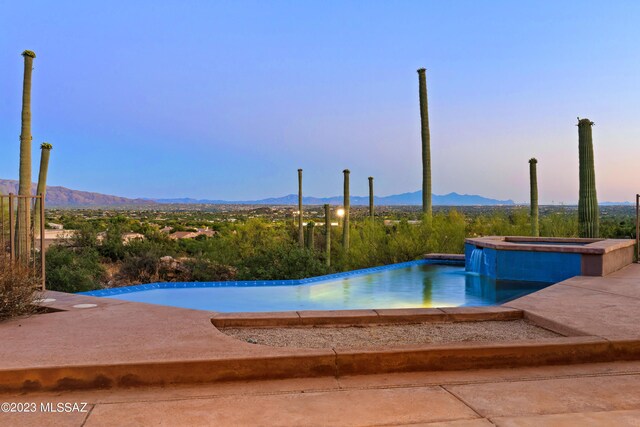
(546, 259)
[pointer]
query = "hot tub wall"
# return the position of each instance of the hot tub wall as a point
(549, 267)
(505, 261)
(601, 265)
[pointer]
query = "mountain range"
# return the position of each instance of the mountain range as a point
(64, 197)
(404, 199)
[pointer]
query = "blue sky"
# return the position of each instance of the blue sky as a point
(228, 99)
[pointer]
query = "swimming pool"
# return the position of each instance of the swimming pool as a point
(407, 285)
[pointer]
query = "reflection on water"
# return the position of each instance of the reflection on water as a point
(427, 286)
(420, 285)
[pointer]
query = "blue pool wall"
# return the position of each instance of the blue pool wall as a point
(181, 285)
(548, 267)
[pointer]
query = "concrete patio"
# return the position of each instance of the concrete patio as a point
(140, 364)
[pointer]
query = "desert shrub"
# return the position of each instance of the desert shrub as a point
(140, 268)
(142, 262)
(502, 223)
(112, 246)
(559, 224)
(85, 237)
(204, 270)
(17, 290)
(73, 269)
(447, 233)
(287, 261)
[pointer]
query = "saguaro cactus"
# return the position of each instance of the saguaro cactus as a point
(311, 234)
(45, 148)
(24, 183)
(371, 213)
(347, 203)
(300, 224)
(588, 211)
(426, 146)
(533, 181)
(327, 234)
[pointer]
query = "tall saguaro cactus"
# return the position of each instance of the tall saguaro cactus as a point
(45, 148)
(300, 224)
(347, 204)
(533, 181)
(588, 211)
(311, 227)
(327, 234)
(24, 183)
(371, 212)
(426, 146)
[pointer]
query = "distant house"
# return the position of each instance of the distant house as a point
(166, 229)
(206, 232)
(391, 222)
(192, 234)
(126, 237)
(183, 235)
(57, 236)
(54, 226)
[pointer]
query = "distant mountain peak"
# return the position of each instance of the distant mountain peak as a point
(64, 197)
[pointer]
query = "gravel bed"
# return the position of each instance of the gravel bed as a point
(391, 335)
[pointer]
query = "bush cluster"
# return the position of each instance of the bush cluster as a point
(17, 290)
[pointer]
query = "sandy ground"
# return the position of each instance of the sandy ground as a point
(390, 335)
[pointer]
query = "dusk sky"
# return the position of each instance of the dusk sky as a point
(226, 100)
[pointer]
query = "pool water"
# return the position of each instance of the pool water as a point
(408, 285)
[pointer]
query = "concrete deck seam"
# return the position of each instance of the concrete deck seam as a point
(228, 395)
(88, 414)
(421, 423)
(545, 414)
(567, 331)
(461, 400)
(601, 291)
